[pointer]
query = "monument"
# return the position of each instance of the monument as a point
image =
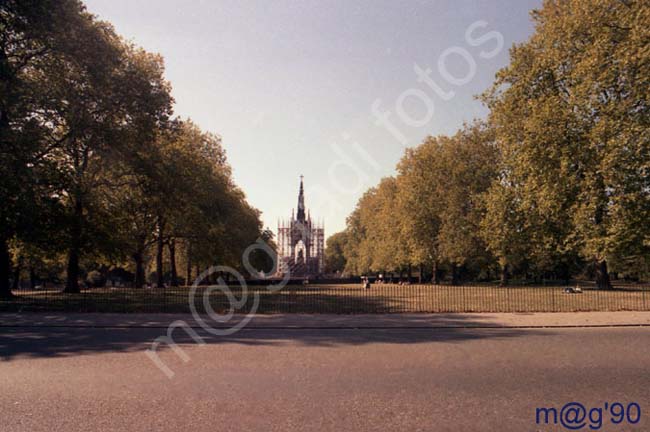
(301, 242)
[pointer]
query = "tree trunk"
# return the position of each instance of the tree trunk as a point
(32, 277)
(160, 283)
(409, 273)
(566, 273)
(188, 270)
(5, 270)
(16, 282)
(72, 276)
(454, 275)
(602, 276)
(435, 276)
(420, 271)
(504, 275)
(172, 262)
(139, 269)
(6, 78)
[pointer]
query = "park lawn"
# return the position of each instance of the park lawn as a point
(336, 299)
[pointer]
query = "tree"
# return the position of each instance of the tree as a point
(440, 184)
(335, 252)
(571, 115)
(386, 244)
(374, 234)
(181, 196)
(358, 251)
(37, 38)
(503, 228)
(468, 165)
(419, 198)
(92, 164)
(429, 214)
(103, 121)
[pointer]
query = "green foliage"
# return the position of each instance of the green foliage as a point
(95, 279)
(335, 261)
(571, 115)
(97, 173)
(557, 182)
(92, 165)
(374, 238)
(430, 213)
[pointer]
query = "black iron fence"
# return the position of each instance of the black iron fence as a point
(335, 298)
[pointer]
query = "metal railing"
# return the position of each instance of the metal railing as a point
(337, 298)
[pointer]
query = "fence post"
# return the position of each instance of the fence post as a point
(553, 300)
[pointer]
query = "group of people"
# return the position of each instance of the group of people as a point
(365, 281)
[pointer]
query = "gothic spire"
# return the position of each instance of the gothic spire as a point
(301, 202)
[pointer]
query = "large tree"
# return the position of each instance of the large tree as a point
(571, 114)
(106, 123)
(430, 213)
(91, 163)
(441, 183)
(421, 203)
(374, 238)
(37, 38)
(468, 166)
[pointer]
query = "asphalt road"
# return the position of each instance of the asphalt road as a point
(482, 379)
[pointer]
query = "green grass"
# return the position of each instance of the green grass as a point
(337, 299)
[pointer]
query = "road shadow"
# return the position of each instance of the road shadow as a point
(81, 336)
(290, 299)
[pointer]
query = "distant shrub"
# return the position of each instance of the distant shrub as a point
(95, 279)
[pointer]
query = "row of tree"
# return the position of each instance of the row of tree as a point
(96, 172)
(555, 183)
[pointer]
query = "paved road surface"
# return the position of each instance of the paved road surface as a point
(270, 379)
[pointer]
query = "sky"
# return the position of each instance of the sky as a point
(334, 90)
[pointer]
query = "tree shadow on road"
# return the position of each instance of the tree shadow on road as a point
(41, 336)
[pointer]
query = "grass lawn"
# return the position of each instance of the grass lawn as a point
(337, 299)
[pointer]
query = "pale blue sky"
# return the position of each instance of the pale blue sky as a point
(290, 85)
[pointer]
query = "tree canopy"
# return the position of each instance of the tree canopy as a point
(96, 171)
(555, 183)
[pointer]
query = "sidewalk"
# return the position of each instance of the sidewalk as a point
(441, 320)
